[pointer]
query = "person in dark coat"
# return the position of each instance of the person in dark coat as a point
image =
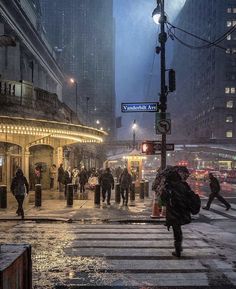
(20, 187)
(67, 178)
(107, 183)
(175, 195)
(215, 193)
(125, 185)
(60, 177)
(83, 179)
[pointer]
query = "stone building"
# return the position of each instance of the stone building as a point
(82, 34)
(204, 105)
(36, 127)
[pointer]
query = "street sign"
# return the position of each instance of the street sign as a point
(152, 147)
(163, 126)
(140, 107)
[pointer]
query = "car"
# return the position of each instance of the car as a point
(199, 175)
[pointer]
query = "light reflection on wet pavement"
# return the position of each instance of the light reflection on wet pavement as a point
(51, 265)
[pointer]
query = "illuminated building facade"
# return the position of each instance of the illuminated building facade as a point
(36, 127)
(204, 105)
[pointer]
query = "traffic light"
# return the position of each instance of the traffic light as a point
(148, 148)
(172, 81)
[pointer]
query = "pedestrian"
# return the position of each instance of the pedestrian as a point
(20, 188)
(60, 177)
(215, 193)
(67, 179)
(125, 185)
(52, 175)
(83, 179)
(38, 174)
(107, 183)
(75, 179)
(175, 196)
(157, 187)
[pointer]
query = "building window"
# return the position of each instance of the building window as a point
(230, 104)
(229, 118)
(229, 24)
(229, 133)
(234, 10)
(227, 90)
(229, 37)
(229, 10)
(232, 90)
(228, 50)
(234, 23)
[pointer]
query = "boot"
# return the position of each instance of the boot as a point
(178, 250)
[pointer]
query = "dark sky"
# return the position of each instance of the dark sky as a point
(137, 66)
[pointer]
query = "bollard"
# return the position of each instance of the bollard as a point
(97, 194)
(155, 207)
(141, 192)
(69, 195)
(132, 194)
(146, 189)
(3, 197)
(38, 195)
(117, 193)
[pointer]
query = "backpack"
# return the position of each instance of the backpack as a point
(194, 203)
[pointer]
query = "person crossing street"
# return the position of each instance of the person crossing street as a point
(215, 193)
(107, 184)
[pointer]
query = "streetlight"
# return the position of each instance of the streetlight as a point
(73, 81)
(159, 17)
(134, 127)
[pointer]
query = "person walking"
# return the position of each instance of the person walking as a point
(60, 177)
(107, 183)
(125, 184)
(215, 193)
(83, 179)
(67, 179)
(75, 178)
(52, 175)
(175, 196)
(20, 187)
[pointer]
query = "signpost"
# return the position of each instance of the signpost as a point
(140, 107)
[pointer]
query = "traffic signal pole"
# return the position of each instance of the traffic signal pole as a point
(163, 94)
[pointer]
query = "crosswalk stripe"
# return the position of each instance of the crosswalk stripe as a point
(222, 210)
(212, 215)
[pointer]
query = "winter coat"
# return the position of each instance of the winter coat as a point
(214, 185)
(19, 185)
(125, 180)
(175, 195)
(67, 177)
(60, 177)
(83, 178)
(107, 181)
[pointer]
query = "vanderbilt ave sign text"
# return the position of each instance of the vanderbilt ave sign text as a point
(140, 107)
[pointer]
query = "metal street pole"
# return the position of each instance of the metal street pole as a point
(163, 95)
(134, 127)
(76, 97)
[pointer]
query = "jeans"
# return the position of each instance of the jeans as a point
(108, 191)
(20, 201)
(219, 197)
(125, 195)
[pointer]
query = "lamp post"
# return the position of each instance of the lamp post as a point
(159, 17)
(134, 126)
(73, 81)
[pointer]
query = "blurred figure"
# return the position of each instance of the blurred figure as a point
(93, 180)
(107, 184)
(75, 178)
(67, 178)
(60, 177)
(52, 175)
(215, 193)
(20, 188)
(125, 185)
(38, 174)
(83, 179)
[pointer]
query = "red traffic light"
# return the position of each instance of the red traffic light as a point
(148, 148)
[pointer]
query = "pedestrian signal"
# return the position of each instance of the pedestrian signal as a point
(148, 148)
(172, 81)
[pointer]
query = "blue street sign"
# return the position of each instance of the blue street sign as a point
(140, 107)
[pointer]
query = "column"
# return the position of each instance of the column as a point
(25, 164)
(8, 169)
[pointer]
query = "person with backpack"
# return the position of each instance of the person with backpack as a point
(20, 187)
(125, 185)
(215, 193)
(107, 183)
(175, 196)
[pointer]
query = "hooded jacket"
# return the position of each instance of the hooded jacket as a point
(19, 185)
